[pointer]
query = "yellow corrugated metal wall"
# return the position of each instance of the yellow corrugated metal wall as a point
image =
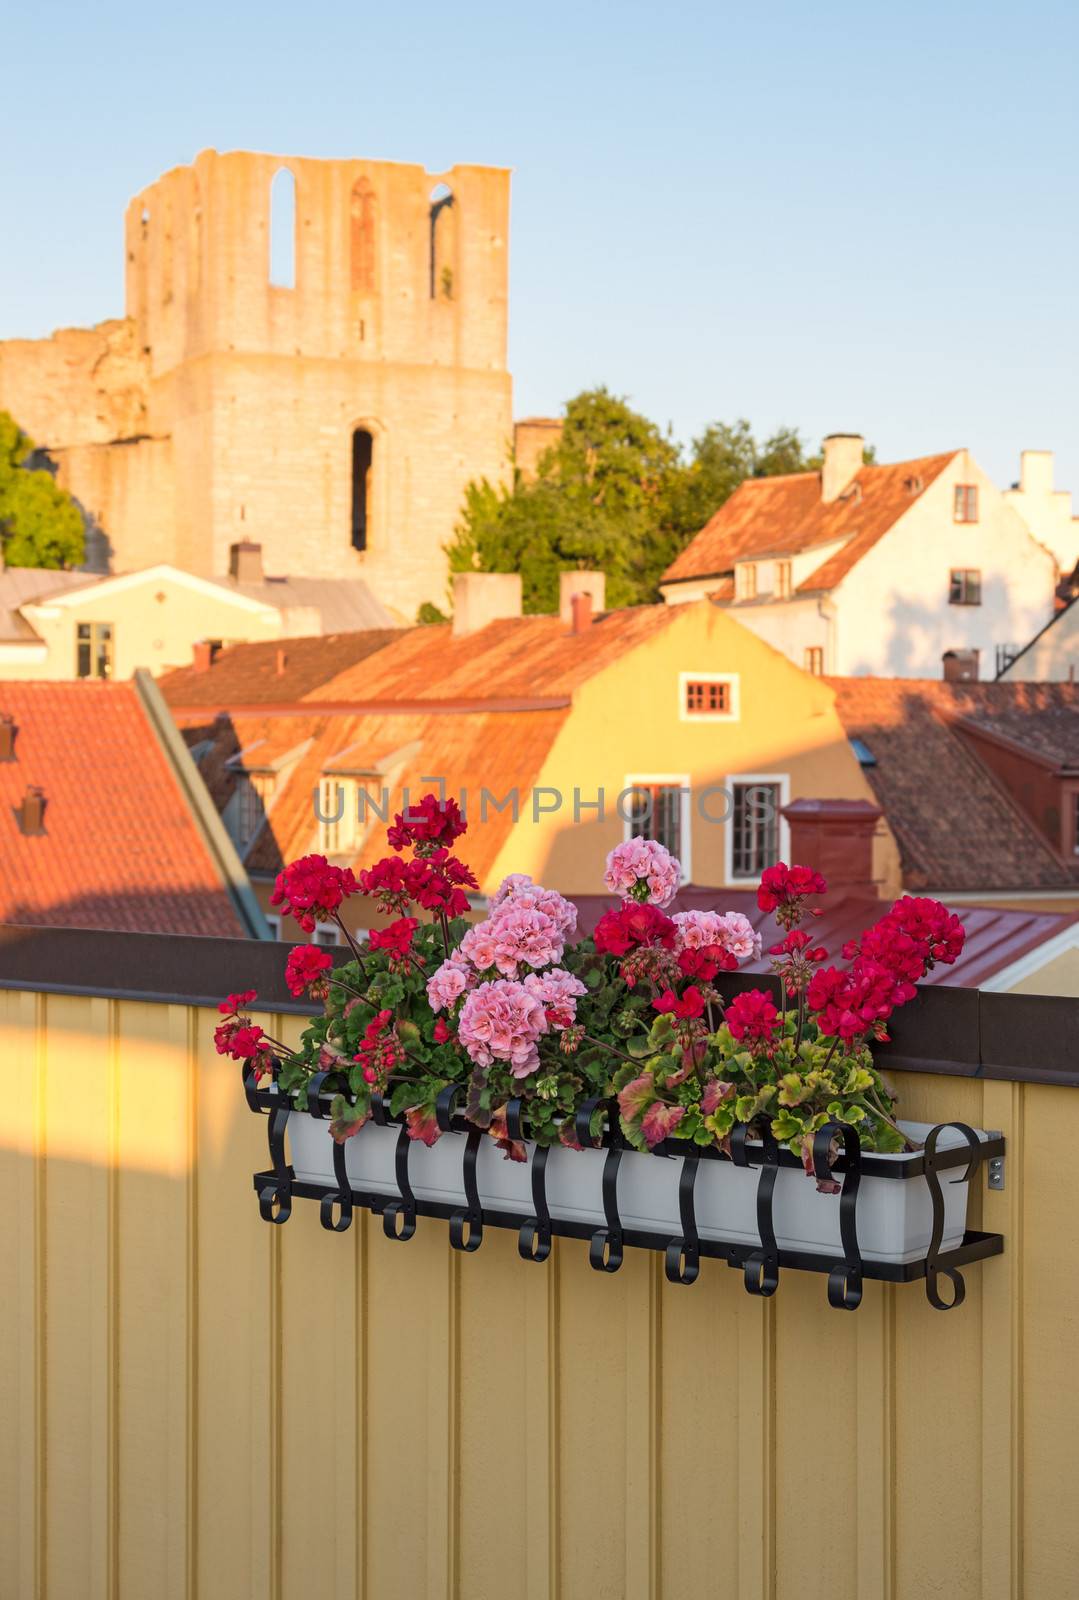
(195, 1406)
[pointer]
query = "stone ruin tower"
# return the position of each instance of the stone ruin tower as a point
(313, 360)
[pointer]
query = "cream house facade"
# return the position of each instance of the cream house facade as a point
(1047, 511)
(71, 625)
(913, 569)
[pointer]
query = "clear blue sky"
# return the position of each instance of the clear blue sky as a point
(834, 216)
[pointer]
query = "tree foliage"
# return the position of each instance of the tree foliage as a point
(615, 494)
(40, 524)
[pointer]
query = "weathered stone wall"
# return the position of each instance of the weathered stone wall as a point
(244, 394)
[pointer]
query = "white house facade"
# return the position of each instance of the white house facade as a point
(917, 569)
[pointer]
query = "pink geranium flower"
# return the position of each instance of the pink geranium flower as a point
(502, 1021)
(642, 869)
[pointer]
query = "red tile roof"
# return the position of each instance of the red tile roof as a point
(520, 657)
(471, 750)
(121, 850)
(786, 515)
(272, 671)
(956, 826)
(997, 936)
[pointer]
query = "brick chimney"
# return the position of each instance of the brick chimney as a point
(571, 584)
(7, 736)
(202, 655)
(245, 562)
(582, 613)
(836, 838)
(483, 597)
(31, 812)
(842, 463)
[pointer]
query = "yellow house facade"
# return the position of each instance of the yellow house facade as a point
(560, 741)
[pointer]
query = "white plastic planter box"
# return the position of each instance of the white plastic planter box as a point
(894, 1216)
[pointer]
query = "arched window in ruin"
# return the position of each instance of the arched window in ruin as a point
(283, 229)
(441, 253)
(362, 237)
(363, 449)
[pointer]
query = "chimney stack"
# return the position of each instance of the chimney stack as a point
(282, 662)
(571, 584)
(31, 811)
(483, 597)
(842, 463)
(835, 837)
(245, 562)
(7, 736)
(202, 655)
(582, 613)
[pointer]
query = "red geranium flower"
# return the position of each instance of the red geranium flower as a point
(632, 926)
(396, 940)
(430, 822)
(752, 1018)
(306, 969)
(785, 890)
(311, 890)
(237, 1002)
(690, 1005)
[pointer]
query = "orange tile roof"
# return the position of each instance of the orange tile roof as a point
(520, 657)
(786, 515)
(470, 750)
(121, 850)
(271, 670)
(956, 826)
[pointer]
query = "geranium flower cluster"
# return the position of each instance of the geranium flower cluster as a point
(520, 1006)
(641, 869)
(312, 891)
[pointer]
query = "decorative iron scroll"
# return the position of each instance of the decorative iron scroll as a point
(760, 1261)
(760, 1271)
(933, 1261)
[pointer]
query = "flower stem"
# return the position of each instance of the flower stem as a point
(353, 946)
(633, 1061)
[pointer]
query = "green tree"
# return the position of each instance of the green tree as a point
(40, 524)
(614, 493)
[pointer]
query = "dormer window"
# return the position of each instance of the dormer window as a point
(783, 580)
(966, 502)
(745, 581)
(253, 793)
(338, 815)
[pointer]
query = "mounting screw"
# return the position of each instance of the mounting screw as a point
(996, 1172)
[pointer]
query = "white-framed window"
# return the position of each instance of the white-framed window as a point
(660, 807)
(966, 502)
(814, 659)
(745, 580)
(757, 834)
(337, 815)
(782, 580)
(326, 933)
(708, 696)
(273, 922)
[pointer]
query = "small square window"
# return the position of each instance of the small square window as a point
(965, 587)
(966, 502)
(709, 697)
(814, 659)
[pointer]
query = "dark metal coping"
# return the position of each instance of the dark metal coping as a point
(1019, 1038)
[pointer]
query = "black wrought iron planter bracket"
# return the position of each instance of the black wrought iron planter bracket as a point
(760, 1263)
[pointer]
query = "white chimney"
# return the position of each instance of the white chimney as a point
(842, 463)
(483, 597)
(1036, 472)
(593, 584)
